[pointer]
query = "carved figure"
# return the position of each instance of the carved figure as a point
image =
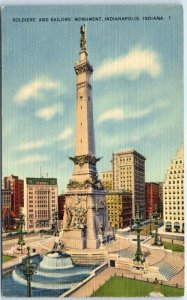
(76, 217)
(100, 203)
(83, 38)
(69, 216)
(83, 159)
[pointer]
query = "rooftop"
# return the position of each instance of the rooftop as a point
(129, 151)
(40, 181)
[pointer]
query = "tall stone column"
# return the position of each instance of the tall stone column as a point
(85, 212)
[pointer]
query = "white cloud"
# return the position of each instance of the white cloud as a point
(66, 133)
(32, 145)
(139, 113)
(35, 144)
(34, 89)
(120, 114)
(48, 113)
(33, 158)
(132, 65)
(112, 114)
(130, 114)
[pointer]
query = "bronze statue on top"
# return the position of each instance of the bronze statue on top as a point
(83, 37)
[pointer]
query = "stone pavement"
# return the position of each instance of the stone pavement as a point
(9, 246)
(11, 263)
(179, 277)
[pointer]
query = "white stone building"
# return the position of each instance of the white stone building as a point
(41, 199)
(128, 171)
(173, 194)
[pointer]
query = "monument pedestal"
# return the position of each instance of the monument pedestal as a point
(74, 238)
(92, 243)
(84, 218)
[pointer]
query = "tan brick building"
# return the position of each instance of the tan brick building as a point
(128, 172)
(119, 208)
(41, 195)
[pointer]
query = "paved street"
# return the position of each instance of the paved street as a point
(31, 241)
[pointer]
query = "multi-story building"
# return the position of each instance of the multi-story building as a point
(6, 196)
(173, 194)
(8, 219)
(152, 198)
(17, 196)
(41, 196)
(61, 203)
(9, 182)
(2, 183)
(161, 199)
(106, 178)
(128, 171)
(119, 208)
(16, 186)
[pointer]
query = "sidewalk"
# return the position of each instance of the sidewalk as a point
(11, 263)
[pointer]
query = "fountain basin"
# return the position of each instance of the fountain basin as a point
(56, 260)
(50, 281)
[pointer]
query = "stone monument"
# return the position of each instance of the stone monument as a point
(85, 218)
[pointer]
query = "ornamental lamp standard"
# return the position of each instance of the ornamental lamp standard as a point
(21, 242)
(138, 228)
(155, 215)
(150, 228)
(28, 270)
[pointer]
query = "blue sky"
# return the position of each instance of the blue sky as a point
(137, 87)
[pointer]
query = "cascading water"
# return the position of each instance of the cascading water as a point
(56, 260)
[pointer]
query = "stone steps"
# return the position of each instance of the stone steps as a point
(155, 256)
(86, 259)
(120, 264)
(170, 265)
(120, 244)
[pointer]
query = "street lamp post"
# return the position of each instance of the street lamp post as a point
(150, 229)
(155, 215)
(28, 270)
(21, 242)
(137, 227)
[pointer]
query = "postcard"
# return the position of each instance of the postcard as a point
(92, 151)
